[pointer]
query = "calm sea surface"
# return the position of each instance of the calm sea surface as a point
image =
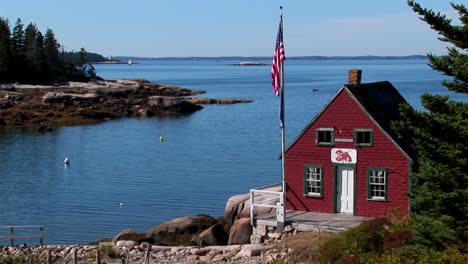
(207, 156)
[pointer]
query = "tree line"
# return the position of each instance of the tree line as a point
(28, 56)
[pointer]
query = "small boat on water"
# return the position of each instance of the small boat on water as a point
(130, 62)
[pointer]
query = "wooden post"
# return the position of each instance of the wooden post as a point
(12, 236)
(75, 259)
(128, 256)
(147, 254)
(98, 257)
(48, 257)
(41, 238)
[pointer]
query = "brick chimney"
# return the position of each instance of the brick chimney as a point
(354, 77)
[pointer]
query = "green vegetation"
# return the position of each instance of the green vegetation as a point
(384, 240)
(108, 251)
(28, 56)
(440, 135)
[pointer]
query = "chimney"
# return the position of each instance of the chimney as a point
(354, 77)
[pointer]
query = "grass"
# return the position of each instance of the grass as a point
(306, 245)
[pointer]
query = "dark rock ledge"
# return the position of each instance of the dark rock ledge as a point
(42, 107)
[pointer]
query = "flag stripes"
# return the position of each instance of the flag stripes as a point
(278, 58)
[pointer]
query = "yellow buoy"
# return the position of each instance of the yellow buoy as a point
(161, 138)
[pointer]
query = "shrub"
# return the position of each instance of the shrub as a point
(368, 241)
(430, 232)
(107, 251)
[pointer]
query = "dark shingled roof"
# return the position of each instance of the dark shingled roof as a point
(381, 100)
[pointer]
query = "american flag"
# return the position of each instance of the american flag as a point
(278, 58)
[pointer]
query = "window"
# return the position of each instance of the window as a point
(325, 136)
(363, 137)
(313, 184)
(377, 184)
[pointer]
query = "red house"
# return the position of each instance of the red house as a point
(347, 159)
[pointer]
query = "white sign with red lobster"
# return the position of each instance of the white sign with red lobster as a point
(341, 155)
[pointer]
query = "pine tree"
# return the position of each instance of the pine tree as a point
(4, 49)
(81, 61)
(51, 51)
(39, 57)
(18, 49)
(31, 48)
(439, 191)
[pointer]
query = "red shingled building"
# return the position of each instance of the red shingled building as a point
(347, 159)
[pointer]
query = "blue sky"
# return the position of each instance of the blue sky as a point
(157, 28)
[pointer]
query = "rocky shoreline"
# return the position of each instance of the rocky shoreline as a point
(190, 239)
(43, 107)
(139, 253)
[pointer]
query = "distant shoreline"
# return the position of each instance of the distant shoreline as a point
(110, 62)
(263, 58)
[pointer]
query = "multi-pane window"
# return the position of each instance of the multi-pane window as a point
(313, 181)
(363, 137)
(377, 184)
(324, 136)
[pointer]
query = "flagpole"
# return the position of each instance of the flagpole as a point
(282, 214)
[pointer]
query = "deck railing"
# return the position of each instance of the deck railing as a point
(12, 237)
(266, 198)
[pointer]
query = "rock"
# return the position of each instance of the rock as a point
(96, 114)
(53, 97)
(205, 259)
(213, 236)
(142, 112)
(126, 243)
(232, 207)
(160, 248)
(7, 87)
(192, 258)
(164, 101)
(218, 258)
(172, 104)
(240, 232)
(132, 235)
(250, 251)
(180, 231)
(5, 104)
(238, 206)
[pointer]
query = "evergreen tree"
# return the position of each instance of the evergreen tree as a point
(39, 57)
(18, 49)
(439, 191)
(28, 56)
(81, 59)
(5, 35)
(31, 49)
(51, 51)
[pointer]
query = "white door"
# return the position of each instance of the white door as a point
(345, 189)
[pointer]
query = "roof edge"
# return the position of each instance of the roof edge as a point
(314, 119)
(377, 123)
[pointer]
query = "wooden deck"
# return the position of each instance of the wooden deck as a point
(312, 221)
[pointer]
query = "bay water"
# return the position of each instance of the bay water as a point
(122, 177)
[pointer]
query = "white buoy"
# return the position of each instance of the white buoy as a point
(66, 161)
(121, 205)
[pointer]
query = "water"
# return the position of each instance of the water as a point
(207, 156)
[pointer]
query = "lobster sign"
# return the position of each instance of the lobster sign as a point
(339, 155)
